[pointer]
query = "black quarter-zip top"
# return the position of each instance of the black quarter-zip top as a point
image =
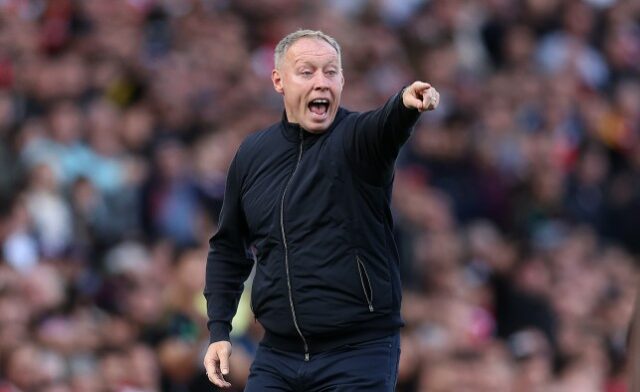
(315, 207)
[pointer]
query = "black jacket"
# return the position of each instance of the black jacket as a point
(316, 208)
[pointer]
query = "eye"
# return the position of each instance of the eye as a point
(306, 73)
(331, 72)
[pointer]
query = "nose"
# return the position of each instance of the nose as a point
(320, 81)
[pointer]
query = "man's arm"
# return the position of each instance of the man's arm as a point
(227, 268)
(375, 141)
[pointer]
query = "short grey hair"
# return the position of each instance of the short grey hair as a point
(292, 38)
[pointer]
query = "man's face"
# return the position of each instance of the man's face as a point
(310, 80)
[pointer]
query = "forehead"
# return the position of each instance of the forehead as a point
(311, 50)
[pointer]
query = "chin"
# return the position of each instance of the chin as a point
(317, 128)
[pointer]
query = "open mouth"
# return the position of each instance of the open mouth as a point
(319, 106)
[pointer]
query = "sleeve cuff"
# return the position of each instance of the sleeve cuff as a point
(407, 115)
(219, 331)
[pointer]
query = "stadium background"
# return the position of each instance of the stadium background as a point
(517, 203)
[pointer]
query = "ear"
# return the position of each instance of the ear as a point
(276, 78)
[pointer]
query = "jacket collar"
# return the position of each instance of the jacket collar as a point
(291, 131)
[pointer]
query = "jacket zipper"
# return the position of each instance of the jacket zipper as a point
(286, 251)
(368, 294)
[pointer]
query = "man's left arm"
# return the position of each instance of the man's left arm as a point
(375, 141)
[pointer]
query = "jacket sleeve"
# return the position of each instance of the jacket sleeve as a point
(228, 261)
(373, 143)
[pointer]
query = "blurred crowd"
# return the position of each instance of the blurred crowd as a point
(516, 203)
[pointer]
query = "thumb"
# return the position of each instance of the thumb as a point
(410, 101)
(223, 355)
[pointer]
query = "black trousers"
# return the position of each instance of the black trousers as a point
(369, 366)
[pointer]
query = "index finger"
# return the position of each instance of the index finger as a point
(420, 86)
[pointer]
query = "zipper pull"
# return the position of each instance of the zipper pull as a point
(370, 308)
(306, 357)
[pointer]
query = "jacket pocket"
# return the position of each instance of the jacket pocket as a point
(365, 282)
(252, 299)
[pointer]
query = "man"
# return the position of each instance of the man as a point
(311, 193)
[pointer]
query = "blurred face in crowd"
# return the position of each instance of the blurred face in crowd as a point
(310, 80)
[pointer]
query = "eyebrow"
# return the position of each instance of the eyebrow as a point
(332, 62)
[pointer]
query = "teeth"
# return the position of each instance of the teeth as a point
(320, 101)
